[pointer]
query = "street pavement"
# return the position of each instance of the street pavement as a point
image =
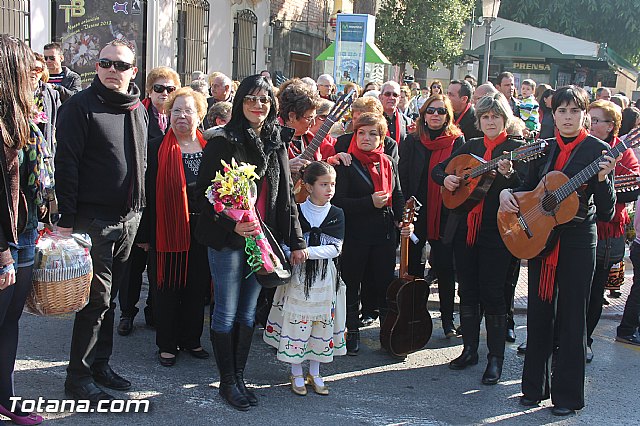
(372, 388)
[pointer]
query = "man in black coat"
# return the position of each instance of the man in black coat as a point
(100, 163)
(61, 78)
(396, 121)
(464, 115)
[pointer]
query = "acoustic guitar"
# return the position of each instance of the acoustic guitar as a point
(626, 183)
(478, 174)
(533, 229)
(341, 106)
(407, 327)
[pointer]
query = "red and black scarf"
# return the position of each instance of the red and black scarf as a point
(382, 178)
(474, 218)
(550, 262)
(398, 118)
(440, 148)
(173, 236)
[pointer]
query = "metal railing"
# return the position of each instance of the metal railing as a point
(193, 38)
(245, 29)
(14, 19)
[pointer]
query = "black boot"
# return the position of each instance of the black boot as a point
(510, 329)
(470, 322)
(496, 326)
(223, 350)
(353, 342)
(243, 336)
(353, 332)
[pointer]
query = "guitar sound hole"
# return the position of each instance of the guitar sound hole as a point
(549, 202)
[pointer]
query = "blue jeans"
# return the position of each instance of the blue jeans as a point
(235, 296)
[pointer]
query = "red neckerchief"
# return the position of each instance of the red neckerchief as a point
(550, 261)
(615, 228)
(173, 236)
(440, 148)
(459, 119)
(474, 218)
(382, 180)
(397, 128)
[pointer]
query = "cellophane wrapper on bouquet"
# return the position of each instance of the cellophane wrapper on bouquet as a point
(234, 193)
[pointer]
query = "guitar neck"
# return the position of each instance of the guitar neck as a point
(310, 150)
(404, 257)
(587, 173)
(488, 166)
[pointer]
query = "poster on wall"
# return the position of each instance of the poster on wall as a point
(351, 37)
(83, 28)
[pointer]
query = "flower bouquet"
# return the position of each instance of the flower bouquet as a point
(234, 193)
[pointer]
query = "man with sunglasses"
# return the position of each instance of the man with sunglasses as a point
(396, 121)
(61, 78)
(100, 164)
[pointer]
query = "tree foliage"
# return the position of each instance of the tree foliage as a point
(422, 32)
(615, 22)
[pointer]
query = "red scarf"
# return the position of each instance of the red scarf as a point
(382, 180)
(615, 228)
(459, 119)
(397, 128)
(440, 148)
(173, 235)
(550, 261)
(474, 218)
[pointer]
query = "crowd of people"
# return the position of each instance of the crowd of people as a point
(132, 170)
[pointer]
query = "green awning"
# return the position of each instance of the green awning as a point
(620, 64)
(373, 55)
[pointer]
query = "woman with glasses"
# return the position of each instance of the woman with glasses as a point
(482, 260)
(435, 138)
(605, 124)
(47, 101)
(161, 82)
(252, 136)
(178, 261)
(436, 88)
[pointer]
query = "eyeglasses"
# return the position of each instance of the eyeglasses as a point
(118, 65)
(309, 119)
(182, 112)
(49, 58)
(159, 88)
(390, 94)
(251, 99)
(597, 120)
(439, 111)
(436, 87)
(37, 69)
(321, 117)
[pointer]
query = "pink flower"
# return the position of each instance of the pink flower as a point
(218, 207)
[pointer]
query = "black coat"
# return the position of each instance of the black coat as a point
(154, 128)
(216, 230)
(51, 103)
(468, 125)
(363, 221)
(70, 85)
(404, 123)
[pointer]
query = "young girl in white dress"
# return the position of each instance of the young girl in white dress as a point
(307, 319)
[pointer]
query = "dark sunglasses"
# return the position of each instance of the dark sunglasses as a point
(389, 94)
(432, 110)
(159, 88)
(49, 58)
(251, 99)
(118, 65)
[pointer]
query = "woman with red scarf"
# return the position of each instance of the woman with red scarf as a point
(559, 282)
(368, 191)
(605, 123)
(435, 138)
(482, 260)
(167, 229)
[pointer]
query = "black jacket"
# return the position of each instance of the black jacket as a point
(363, 221)
(51, 104)
(404, 123)
(95, 160)
(390, 146)
(70, 85)
(154, 128)
(488, 235)
(217, 230)
(548, 125)
(468, 125)
(414, 171)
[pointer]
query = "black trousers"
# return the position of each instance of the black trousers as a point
(631, 316)
(510, 289)
(594, 308)
(357, 257)
(92, 339)
(441, 259)
(129, 294)
(571, 293)
(482, 276)
(179, 310)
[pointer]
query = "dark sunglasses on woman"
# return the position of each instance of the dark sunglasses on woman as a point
(432, 110)
(159, 88)
(118, 65)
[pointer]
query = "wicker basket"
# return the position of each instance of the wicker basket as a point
(59, 297)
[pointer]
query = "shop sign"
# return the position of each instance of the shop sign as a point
(531, 66)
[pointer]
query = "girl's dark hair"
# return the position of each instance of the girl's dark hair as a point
(16, 94)
(316, 169)
(545, 95)
(568, 94)
(629, 117)
(250, 86)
